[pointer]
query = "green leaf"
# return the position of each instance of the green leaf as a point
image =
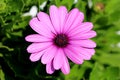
(81, 5)
(109, 59)
(67, 3)
(112, 6)
(1, 55)
(97, 72)
(14, 5)
(21, 23)
(114, 17)
(1, 20)
(6, 47)
(112, 9)
(57, 2)
(2, 6)
(75, 73)
(19, 33)
(2, 75)
(112, 73)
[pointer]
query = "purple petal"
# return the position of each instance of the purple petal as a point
(90, 51)
(43, 17)
(66, 67)
(83, 28)
(86, 35)
(36, 56)
(85, 54)
(54, 16)
(58, 61)
(37, 38)
(83, 43)
(36, 47)
(40, 27)
(49, 55)
(71, 18)
(73, 55)
(78, 21)
(49, 67)
(62, 16)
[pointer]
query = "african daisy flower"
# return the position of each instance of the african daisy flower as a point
(62, 35)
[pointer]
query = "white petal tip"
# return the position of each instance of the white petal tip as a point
(33, 59)
(50, 72)
(42, 61)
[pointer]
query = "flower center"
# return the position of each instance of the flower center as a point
(61, 40)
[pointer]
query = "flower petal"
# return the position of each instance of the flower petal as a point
(36, 56)
(37, 38)
(83, 28)
(49, 55)
(85, 54)
(62, 16)
(71, 18)
(36, 47)
(78, 21)
(66, 67)
(74, 57)
(90, 51)
(49, 67)
(54, 16)
(58, 61)
(86, 35)
(40, 27)
(83, 43)
(43, 17)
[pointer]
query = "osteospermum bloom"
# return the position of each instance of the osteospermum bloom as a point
(60, 36)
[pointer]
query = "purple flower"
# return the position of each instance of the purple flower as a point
(60, 36)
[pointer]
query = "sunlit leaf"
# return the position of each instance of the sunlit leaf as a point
(109, 59)
(112, 73)
(75, 73)
(6, 47)
(2, 75)
(97, 72)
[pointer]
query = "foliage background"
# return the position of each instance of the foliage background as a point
(14, 60)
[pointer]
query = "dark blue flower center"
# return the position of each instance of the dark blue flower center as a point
(61, 40)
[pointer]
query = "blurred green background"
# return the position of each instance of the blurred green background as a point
(14, 60)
